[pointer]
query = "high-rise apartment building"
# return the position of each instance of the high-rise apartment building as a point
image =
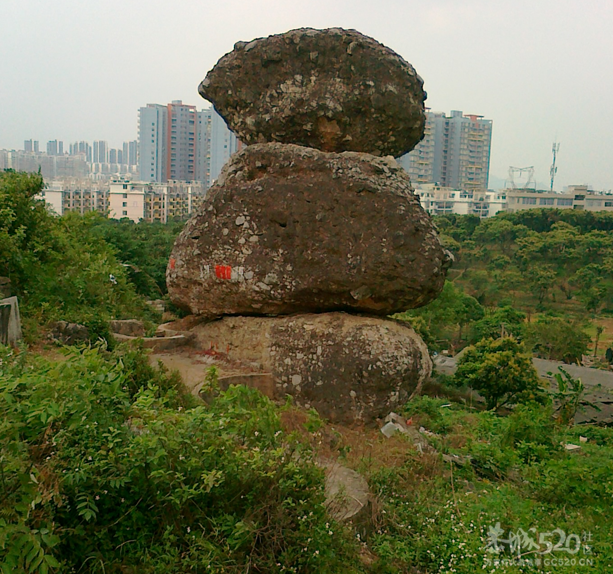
(181, 142)
(52, 147)
(178, 143)
(454, 153)
(215, 144)
(82, 148)
(130, 153)
(152, 121)
(101, 152)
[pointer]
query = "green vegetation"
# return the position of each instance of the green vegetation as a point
(143, 247)
(57, 266)
(544, 276)
(537, 259)
(107, 466)
(512, 471)
(83, 269)
(500, 370)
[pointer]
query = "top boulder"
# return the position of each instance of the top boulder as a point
(335, 90)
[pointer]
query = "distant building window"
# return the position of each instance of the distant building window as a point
(125, 195)
(125, 186)
(593, 202)
(608, 203)
(125, 204)
(546, 201)
(565, 201)
(579, 197)
(528, 200)
(124, 212)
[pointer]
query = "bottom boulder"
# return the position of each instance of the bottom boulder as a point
(347, 367)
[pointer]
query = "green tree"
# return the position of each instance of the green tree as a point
(144, 248)
(453, 310)
(557, 338)
(501, 371)
(26, 228)
(498, 323)
(500, 232)
(57, 267)
(542, 279)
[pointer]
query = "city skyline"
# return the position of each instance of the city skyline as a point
(519, 63)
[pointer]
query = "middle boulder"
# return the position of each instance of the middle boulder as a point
(289, 229)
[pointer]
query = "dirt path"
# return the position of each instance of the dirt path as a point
(193, 365)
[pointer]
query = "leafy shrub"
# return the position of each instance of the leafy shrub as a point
(490, 461)
(575, 481)
(437, 415)
(143, 247)
(57, 266)
(557, 338)
(108, 466)
(501, 371)
(504, 319)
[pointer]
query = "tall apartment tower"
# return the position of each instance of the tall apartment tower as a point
(181, 142)
(176, 142)
(52, 147)
(81, 148)
(455, 152)
(152, 132)
(215, 144)
(130, 152)
(101, 152)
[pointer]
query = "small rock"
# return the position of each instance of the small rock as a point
(130, 327)
(347, 493)
(68, 333)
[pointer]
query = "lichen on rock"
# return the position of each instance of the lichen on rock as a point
(334, 90)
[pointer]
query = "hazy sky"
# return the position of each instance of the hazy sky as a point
(540, 69)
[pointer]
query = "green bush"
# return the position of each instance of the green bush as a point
(58, 266)
(501, 371)
(107, 466)
(557, 338)
(502, 320)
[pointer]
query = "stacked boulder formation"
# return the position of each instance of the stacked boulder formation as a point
(313, 230)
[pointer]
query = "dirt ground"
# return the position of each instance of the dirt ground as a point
(193, 365)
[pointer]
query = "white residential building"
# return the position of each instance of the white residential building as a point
(438, 200)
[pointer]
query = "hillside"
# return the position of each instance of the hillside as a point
(108, 463)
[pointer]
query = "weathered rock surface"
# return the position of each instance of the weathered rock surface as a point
(291, 229)
(130, 327)
(335, 90)
(69, 333)
(347, 493)
(10, 321)
(347, 367)
(5, 287)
